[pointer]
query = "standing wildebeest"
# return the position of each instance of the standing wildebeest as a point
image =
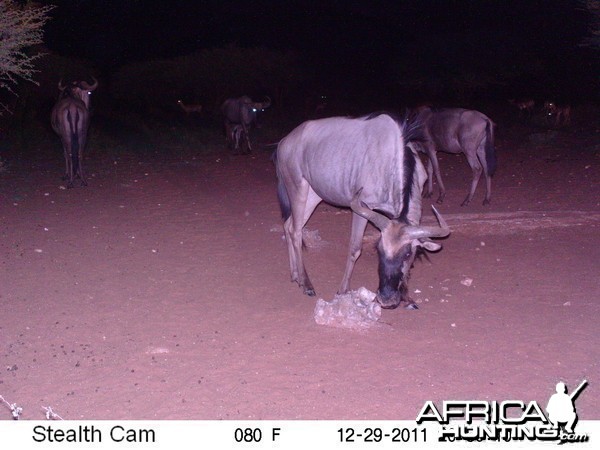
(458, 131)
(240, 114)
(71, 120)
(362, 164)
(562, 113)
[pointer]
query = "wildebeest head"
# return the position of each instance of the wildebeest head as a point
(261, 106)
(78, 89)
(243, 110)
(255, 107)
(397, 248)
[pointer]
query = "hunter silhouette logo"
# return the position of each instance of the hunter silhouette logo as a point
(508, 420)
(561, 407)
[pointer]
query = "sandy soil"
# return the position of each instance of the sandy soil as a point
(161, 291)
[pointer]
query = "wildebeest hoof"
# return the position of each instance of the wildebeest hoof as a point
(486, 202)
(308, 290)
(411, 306)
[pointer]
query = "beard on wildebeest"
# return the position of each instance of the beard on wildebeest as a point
(365, 164)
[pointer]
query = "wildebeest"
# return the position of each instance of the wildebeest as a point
(561, 113)
(364, 164)
(239, 114)
(456, 130)
(70, 120)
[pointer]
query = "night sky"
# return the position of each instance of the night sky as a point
(347, 40)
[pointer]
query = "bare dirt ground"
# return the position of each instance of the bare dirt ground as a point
(161, 290)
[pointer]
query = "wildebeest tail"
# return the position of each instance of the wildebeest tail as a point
(282, 194)
(490, 152)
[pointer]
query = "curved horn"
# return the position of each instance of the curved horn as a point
(426, 232)
(379, 220)
(440, 219)
(61, 86)
(88, 87)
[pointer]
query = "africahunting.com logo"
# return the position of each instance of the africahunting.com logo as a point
(510, 420)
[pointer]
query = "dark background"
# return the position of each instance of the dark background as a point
(363, 55)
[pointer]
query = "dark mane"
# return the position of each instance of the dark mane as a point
(410, 123)
(412, 131)
(408, 183)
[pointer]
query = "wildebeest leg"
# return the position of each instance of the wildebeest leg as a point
(80, 170)
(230, 136)
(237, 139)
(438, 176)
(488, 178)
(79, 167)
(69, 175)
(303, 202)
(288, 231)
(359, 225)
(291, 252)
(429, 190)
(247, 136)
(476, 168)
(67, 161)
(424, 148)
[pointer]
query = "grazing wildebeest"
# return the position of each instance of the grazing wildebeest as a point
(562, 113)
(363, 164)
(457, 130)
(71, 120)
(240, 114)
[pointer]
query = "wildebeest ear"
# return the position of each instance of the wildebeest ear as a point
(430, 245)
